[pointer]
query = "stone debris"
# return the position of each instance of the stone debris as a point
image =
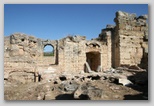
(51, 68)
(134, 67)
(87, 67)
(87, 91)
(81, 87)
(68, 86)
(125, 81)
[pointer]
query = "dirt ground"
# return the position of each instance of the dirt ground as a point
(106, 86)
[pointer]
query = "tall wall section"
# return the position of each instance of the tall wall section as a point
(71, 53)
(130, 39)
(105, 37)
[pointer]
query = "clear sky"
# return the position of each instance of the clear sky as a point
(56, 21)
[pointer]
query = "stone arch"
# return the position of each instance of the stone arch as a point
(93, 46)
(52, 59)
(50, 49)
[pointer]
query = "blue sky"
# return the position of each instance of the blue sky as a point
(55, 21)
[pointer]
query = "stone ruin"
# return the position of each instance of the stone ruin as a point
(122, 45)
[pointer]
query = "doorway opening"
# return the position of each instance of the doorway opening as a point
(48, 50)
(93, 59)
(49, 55)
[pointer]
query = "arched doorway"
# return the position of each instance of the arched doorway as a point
(48, 54)
(93, 59)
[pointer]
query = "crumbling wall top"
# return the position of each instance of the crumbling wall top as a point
(76, 38)
(123, 17)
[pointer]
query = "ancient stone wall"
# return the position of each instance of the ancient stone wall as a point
(23, 54)
(71, 53)
(129, 41)
(23, 46)
(105, 37)
(124, 44)
(20, 53)
(75, 51)
(27, 48)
